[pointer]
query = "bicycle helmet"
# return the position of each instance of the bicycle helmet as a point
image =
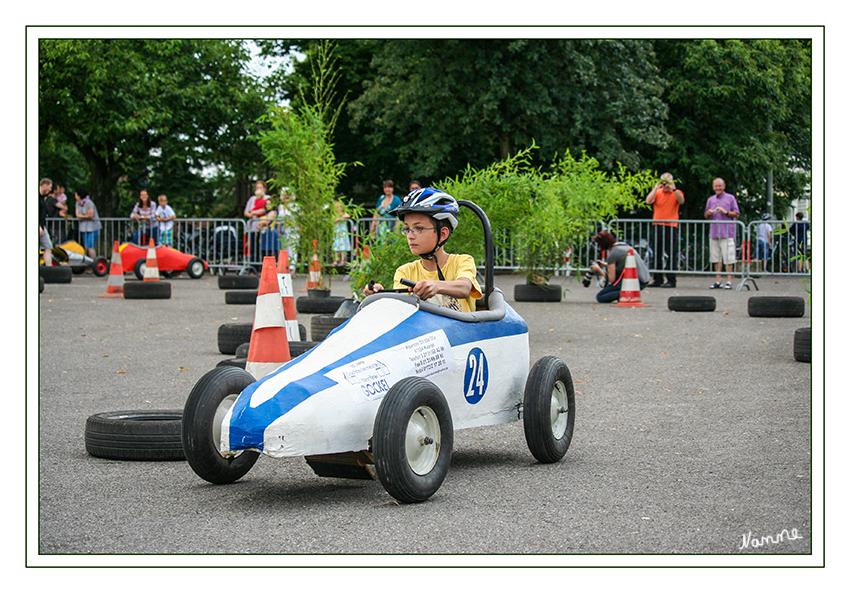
(433, 202)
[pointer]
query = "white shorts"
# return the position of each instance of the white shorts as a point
(722, 251)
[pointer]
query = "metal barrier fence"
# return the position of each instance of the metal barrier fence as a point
(226, 245)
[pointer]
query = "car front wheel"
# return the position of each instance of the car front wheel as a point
(195, 269)
(412, 440)
(208, 404)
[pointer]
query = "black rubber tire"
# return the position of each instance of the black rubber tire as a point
(239, 361)
(195, 268)
(776, 306)
(411, 397)
(535, 293)
(56, 274)
(242, 350)
(322, 325)
(548, 376)
(147, 290)
(692, 303)
(347, 309)
(321, 305)
(240, 297)
(241, 281)
(231, 335)
(803, 344)
(206, 405)
(40, 284)
(136, 435)
(100, 266)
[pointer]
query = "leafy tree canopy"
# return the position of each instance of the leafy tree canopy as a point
(142, 110)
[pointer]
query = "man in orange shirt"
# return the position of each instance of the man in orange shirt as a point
(665, 200)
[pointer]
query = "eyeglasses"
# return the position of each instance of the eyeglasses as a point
(416, 231)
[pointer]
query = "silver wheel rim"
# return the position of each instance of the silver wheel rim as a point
(220, 412)
(197, 268)
(422, 440)
(559, 410)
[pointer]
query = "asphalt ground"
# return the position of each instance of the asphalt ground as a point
(693, 430)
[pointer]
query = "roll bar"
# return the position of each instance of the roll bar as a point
(489, 252)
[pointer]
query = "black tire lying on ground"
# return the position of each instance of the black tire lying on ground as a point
(776, 306)
(537, 293)
(240, 297)
(327, 305)
(322, 325)
(803, 344)
(692, 303)
(135, 435)
(147, 290)
(242, 281)
(56, 274)
(232, 335)
(296, 349)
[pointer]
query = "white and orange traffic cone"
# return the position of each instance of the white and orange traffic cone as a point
(287, 295)
(269, 348)
(315, 275)
(151, 265)
(115, 285)
(630, 287)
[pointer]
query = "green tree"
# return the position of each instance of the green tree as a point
(143, 109)
(442, 104)
(739, 109)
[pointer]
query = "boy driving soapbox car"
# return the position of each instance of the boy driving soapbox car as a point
(387, 388)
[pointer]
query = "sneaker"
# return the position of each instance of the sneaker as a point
(716, 285)
(668, 285)
(728, 286)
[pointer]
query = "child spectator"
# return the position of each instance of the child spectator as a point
(165, 215)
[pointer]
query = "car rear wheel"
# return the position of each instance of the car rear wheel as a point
(208, 403)
(412, 440)
(549, 409)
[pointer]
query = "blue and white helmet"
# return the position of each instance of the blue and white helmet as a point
(430, 201)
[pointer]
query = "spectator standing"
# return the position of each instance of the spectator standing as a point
(44, 242)
(665, 200)
(144, 211)
(56, 209)
(763, 238)
(89, 221)
(255, 209)
(342, 240)
(386, 204)
(800, 232)
(165, 216)
(723, 207)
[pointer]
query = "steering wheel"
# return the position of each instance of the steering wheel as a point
(404, 281)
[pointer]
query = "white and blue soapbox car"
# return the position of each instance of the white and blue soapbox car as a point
(382, 395)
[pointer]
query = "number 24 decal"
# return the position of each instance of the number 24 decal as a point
(476, 375)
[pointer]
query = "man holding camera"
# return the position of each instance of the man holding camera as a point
(665, 200)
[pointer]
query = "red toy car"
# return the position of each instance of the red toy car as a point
(168, 260)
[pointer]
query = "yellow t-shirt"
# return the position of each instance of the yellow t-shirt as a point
(457, 266)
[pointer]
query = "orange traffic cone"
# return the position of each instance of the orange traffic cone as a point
(115, 286)
(284, 280)
(269, 348)
(151, 266)
(630, 287)
(315, 270)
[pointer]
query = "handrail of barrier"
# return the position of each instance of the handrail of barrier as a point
(226, 244)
